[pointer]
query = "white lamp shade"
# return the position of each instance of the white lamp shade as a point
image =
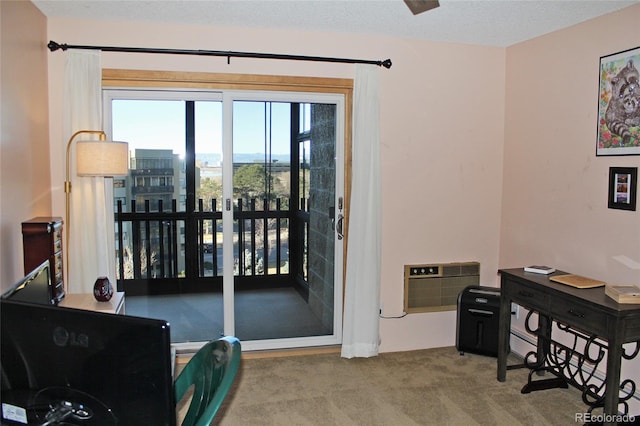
(102, 158)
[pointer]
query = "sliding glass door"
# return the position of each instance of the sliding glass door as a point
(228, 221)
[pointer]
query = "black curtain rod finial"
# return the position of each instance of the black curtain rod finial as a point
(386, 63)
(53, 46)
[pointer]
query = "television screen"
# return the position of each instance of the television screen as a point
(69, 366)
(35, 287)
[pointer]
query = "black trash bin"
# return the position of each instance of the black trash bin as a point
(477, 321)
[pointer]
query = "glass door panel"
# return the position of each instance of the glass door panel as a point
(169, 205)
(284, 192)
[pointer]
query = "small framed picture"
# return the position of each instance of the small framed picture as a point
(622, 188)
(619, 104)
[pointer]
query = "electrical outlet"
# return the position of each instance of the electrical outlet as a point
(515, 310)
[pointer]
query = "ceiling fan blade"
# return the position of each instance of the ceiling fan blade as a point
(419, 6)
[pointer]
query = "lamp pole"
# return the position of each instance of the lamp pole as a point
(67, 186)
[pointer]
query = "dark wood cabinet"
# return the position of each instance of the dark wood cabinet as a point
(42, 240)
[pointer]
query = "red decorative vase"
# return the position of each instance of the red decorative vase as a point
(102, 289)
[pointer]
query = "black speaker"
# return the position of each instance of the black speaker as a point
(477, 320)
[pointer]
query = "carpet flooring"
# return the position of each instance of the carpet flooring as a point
(424, 387)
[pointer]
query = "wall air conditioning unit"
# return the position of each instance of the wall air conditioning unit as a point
(435, 287)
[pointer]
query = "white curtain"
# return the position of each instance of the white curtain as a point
(361, 337)
(90, 248)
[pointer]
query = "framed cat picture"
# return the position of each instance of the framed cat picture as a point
(619, 104)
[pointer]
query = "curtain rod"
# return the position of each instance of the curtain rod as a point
(53, 46)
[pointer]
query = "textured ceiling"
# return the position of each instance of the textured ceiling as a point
(484, 22)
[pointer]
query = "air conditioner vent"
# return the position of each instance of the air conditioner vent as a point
(461, 269)
(435, 287)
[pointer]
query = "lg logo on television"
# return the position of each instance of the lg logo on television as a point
(63, 338)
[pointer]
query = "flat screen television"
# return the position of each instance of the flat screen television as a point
(35, 287)
(76, 367)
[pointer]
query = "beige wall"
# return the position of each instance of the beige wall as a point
(554, 207)
(25, 182)
(554, 204)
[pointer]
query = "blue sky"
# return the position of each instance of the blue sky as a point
(155, 124)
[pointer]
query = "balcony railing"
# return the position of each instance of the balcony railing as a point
(174, 250)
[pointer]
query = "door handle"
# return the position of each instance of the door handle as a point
(340, 218)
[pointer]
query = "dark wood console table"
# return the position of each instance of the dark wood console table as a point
(596, 328)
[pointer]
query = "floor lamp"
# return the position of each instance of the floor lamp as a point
(94, 158)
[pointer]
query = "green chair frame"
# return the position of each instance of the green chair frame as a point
(211, 371)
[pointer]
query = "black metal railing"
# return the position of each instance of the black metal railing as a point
(153, 244)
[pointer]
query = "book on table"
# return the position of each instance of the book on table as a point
(623, 293)
(540, 269)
